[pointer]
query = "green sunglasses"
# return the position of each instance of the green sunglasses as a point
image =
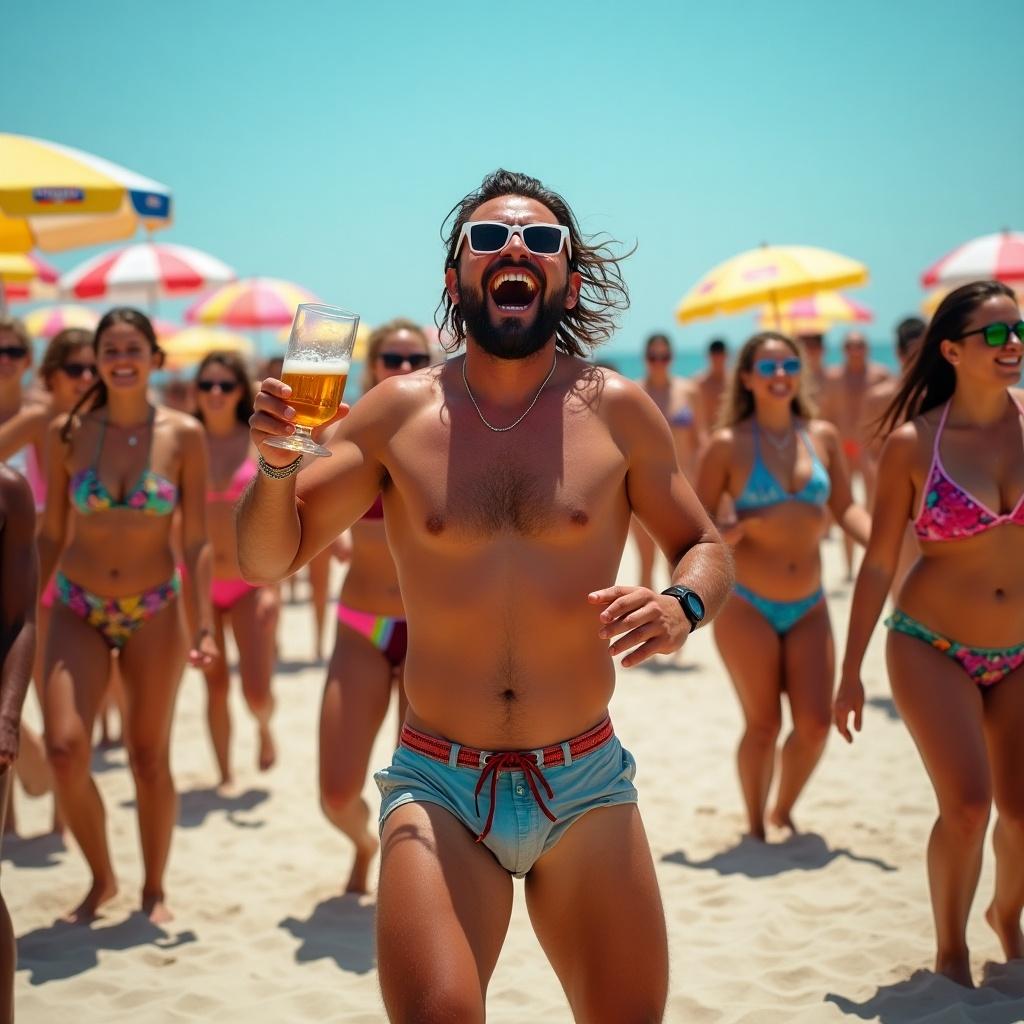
(997, 335)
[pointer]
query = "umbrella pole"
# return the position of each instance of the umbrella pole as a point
(775, 312)
(3, 298)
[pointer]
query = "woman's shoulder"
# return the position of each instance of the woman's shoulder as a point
(182, 423)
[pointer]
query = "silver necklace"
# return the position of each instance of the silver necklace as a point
(491, 426)
(779, 446)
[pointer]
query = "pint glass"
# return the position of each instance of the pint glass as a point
(316, 368)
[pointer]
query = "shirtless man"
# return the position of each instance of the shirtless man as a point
(508, 479)
(18, 595)
(842, 401)
(712, 382)
(814, 348)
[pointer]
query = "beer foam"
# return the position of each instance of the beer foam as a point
(317, 367)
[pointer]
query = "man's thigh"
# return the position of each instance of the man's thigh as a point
(594, 902)
(443, 908)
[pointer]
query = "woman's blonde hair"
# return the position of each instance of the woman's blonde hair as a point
(376, 341)
(739, 401)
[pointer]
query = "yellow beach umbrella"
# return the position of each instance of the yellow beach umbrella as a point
(768, 275)
(57, 198)
(188, 346)
(48, 321)
(815, 314)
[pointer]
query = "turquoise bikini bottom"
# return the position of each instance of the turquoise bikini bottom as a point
(782, 616)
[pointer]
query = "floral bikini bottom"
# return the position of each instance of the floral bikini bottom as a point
(985, 665)
(116, 618)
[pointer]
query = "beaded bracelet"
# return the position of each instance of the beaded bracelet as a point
(275, 472)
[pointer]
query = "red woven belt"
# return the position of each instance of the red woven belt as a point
(492, 762)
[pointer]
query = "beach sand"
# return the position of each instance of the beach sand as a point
(831, 925)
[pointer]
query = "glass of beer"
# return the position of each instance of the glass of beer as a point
(315, 368)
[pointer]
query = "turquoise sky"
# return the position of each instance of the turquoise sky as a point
(324, 142)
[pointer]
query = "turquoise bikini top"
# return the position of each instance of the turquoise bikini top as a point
(152, 494)
(763, 490)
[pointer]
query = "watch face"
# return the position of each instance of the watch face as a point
(695, 604)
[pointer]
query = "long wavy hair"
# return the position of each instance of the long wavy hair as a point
(234, 364)
(739, 399)
(63, 344)
(930, 380)
(376, 341)
(96, 396)
(603, 295)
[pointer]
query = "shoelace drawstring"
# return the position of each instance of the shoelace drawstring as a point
(511, 760)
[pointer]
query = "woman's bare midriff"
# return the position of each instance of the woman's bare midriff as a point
(779, 555)
(970, 590)
(220, 528)
(371, 583)
(136, 552)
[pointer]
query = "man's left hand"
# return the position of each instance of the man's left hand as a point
(641, 619)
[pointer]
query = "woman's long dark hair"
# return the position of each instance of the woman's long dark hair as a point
(232, 362)
(96, 396)
(738, 403)
(930, 380)
(603, 294)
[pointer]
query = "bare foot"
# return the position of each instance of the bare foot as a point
(956, 967)
(365, 852)
(1010, 935)
(156, 909)
(780, 820)
(756, 832)
(228, 789)
(86, 911)
(268, 751)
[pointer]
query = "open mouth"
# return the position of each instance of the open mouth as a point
(513, 291)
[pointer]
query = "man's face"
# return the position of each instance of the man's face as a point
(855, 348)
(512, 300)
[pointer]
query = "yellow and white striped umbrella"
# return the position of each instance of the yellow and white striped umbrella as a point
(770, 274)
(56, 197)
(48, 321)
(188, 346)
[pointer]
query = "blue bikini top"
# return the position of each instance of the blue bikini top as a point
(763, 490)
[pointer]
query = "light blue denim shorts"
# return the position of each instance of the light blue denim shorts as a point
(509, 795)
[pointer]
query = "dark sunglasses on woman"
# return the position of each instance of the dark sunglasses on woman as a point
(223, 386)
(996, 335)
(78, 370)
(395, 360)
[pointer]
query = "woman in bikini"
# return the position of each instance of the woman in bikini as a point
(679, 401)
(67, 371)
(784, 471)
(954, 466)
(224, 400)
(117, 469)
(369, 652)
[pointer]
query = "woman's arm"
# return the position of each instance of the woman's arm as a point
(852, 518)
(196, 548)
(18, 596)
(26, 426)
(892, 511)
(53, 522)
(713, 480)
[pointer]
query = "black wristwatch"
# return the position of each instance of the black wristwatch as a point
(690, 602)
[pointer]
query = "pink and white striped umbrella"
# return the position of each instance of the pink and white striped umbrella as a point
(144, 273)
(39, 287)
(997, 257)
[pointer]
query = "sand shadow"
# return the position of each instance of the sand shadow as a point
(196, 805)
(292, 666)
(926, 997)
(109, 759)
(885, 704)
(340, 929)
(41, 851)
(62, 951)
(665, 666)
(806, 851)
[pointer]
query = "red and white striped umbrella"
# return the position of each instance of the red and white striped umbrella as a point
(41, 286)
(144, 273)
(998, 257)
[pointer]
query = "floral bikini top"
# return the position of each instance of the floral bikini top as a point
(152, 494)
(948, 512)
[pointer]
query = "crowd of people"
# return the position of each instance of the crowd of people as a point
(489, 602)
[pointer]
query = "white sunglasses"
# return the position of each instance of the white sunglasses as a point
(490, 236)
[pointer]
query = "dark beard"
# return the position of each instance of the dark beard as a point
(510, 338)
